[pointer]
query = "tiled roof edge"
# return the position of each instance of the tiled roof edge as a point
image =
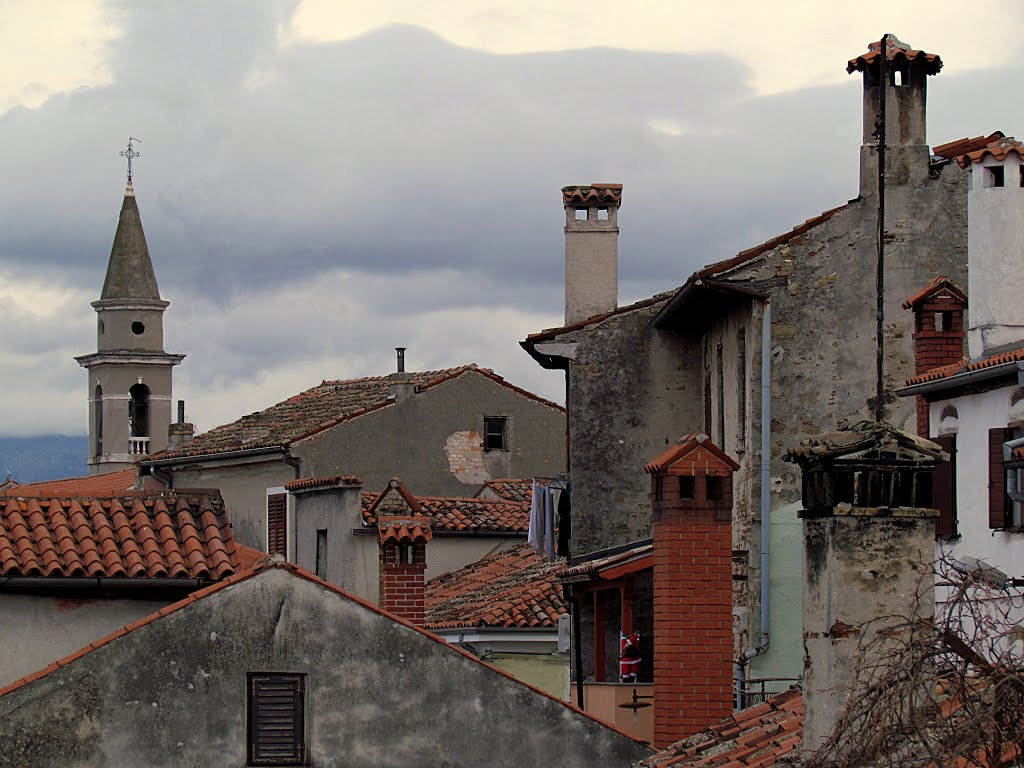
(489, 374)
(309, 483)
(308, 576)
(550, 333)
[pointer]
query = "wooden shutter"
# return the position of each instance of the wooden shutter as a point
(944, 489)
(996, 478)
(277, 727)
(277, 524)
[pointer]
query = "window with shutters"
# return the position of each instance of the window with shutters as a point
(1005, 480)
(277, 719)
(277, 524)
(944, 490)
(495, 433)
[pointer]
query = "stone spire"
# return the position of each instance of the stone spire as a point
(130, 271)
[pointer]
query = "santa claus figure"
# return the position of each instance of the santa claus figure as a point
(629, 657)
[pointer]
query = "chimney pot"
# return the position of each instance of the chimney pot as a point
(400, 352)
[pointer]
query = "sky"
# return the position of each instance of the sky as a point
(322, 181)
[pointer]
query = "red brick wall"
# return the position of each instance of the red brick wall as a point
(401, 584)
(693, 644)
(934, 346)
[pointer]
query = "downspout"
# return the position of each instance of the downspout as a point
(167, 480)
(295, 463)
(766, 512)
(577, 641)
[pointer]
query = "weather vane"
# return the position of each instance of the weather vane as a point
(130, 153)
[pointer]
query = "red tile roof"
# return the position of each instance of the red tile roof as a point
(999, 150)
(611, 566)
(698, 452)
(449, 514)
(511, 588)
(511, 489)
(109, 484)
(966, 366)
(770, 733)
(594, 194)
(403, 529)
(937, 284)
(953, 149)
(322, 407)
(278, 562)
(895, 50)
(311, 483)
(168, 535)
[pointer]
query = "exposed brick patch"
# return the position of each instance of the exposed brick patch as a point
(465, 452)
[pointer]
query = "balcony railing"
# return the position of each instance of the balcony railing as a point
(138, 446)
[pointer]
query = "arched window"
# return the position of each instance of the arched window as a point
(98, 421)
(138, 411)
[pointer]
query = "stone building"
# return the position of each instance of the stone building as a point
(758, 351)
(275, 666)
(129, 388)
(445, 433)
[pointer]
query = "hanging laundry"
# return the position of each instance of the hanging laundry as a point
(536, 535)
(564, 520)
(549, 523)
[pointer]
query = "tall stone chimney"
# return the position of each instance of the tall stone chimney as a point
(591, 249)
(326, 510)
(869, 545)
(691, 496)
(938, 333)
(995, 240)
(907, 153)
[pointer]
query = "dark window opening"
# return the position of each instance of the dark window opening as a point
(98, 419)
(741, 388)
(685, 487)
(602, 214)
(138, 328)
(277, 524)
(996, 175)
(277, 719)
(1021, 175)
(715, 488)
(720, 387)
(321, 553)
(495, 437)
(138, 411)
(944, 320)
(581, 214)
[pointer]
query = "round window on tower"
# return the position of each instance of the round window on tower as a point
(138, 328)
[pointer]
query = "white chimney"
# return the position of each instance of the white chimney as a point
(591, 249)
(995, 244)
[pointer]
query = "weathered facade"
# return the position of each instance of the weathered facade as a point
(443, 432)
(762, 350)
(369, 690)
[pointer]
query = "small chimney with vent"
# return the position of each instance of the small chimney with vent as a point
(400, 385)
(869, 547)
(181, 431)
(691, 496)
(591, 249)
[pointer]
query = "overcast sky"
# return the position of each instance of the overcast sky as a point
(322, 181)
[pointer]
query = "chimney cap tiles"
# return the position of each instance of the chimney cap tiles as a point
(693, 454)
(895, 51)
(592, 194)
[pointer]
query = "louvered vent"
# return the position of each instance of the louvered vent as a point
(276, 719)
(277, 520)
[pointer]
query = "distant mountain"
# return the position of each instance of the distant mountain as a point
(46, 457)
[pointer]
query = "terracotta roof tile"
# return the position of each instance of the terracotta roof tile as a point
(511, 489)
(403, 529)
(612, 565)
(895, 51)
(966, 366)
(310, 483)
(938, 284)
(998, 150)
(954, 149)
(109, 484)
(712, 459)
(507, 589)
(168, 535)
(593, 194)
(768, 734)
(449, 514)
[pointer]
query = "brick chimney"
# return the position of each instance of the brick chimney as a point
(691, 496)
(591, 249)
(402, 534)
(938, 332)
(869, 545)
(995, 238)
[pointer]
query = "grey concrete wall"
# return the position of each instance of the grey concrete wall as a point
(591, 263)
(244, 488)
(862, 575)
(432, 440)
(336, 511)
(114, 328)
(37, 630)
(173, 693)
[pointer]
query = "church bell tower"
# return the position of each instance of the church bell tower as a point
(129, 374)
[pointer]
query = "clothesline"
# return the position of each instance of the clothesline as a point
(543, 526)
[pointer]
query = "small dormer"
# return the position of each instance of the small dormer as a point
(867, 469)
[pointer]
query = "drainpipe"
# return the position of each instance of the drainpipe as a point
(766, 512)
(295, 463)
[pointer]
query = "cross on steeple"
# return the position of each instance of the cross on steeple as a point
(130, 153)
